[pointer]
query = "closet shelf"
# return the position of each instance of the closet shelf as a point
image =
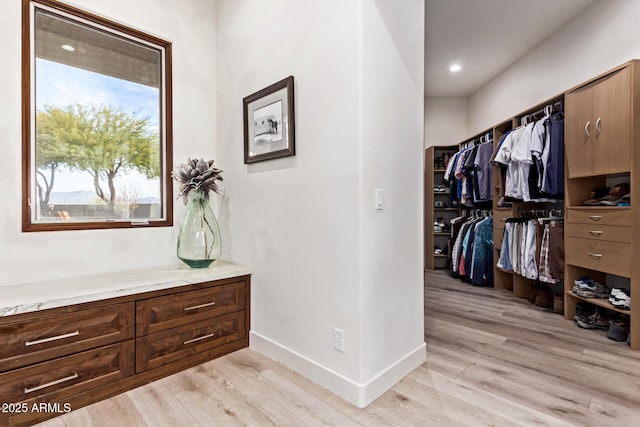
(445, 209)
(609, 208)
(439, 170)
(441, 255)
(600, 302)
(441, 233)
(503, 270)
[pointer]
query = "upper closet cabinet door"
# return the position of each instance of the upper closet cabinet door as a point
(613, 123)
(579, 134)
(598, 126)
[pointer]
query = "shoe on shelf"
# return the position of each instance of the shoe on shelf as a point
(583, 311)
(589, 288)
(597, 320)
(616, 194)
(620, 298)
(437, 250)
(590, 285)
(619, 328)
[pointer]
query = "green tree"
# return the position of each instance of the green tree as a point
(53, 130)
(104, 141)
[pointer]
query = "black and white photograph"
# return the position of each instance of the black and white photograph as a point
(269, 122)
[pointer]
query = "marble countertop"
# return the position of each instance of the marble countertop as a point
(29, 297)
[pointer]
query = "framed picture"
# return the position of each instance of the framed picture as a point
(269, 123)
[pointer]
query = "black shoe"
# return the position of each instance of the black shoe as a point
(596, 321)
(619, 329)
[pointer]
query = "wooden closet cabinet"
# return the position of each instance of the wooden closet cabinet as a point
(433, 178)
(68, 357)
(598, 124)
(602, 128)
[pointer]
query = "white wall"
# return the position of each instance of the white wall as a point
(446, 120)
(391, 158)
(603, 36)
(302, 222)
(26, 257)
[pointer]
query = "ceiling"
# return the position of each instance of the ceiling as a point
(485, 37)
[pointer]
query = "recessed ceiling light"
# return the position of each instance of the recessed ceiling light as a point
(68, 47)
(454, 68)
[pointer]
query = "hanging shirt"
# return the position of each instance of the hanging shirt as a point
(484, 172)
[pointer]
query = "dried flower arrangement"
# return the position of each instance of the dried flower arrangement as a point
(198, 175)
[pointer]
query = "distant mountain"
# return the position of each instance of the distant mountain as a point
(73, 198)
(86, 198)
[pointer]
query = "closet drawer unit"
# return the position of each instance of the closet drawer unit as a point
(158, 314)
(600, 255)
(58, 379)
(599, 232)
(173, 344)
(25, 342)
(611, 216)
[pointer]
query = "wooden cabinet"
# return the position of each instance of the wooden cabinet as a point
(24, 342)
(161, 313)
(437, 205)
(602, 124)
(57, 380)
(173, 344)
(598, 125)
(76, 355)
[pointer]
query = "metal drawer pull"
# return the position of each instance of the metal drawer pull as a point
(598, 128)
(586, 129)
(57, 337)
(40, 387)
(597, 256)
(204, 337)
(595, 217)
(195, 307)
(595, 232)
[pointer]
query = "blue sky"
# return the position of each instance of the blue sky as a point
(62, 85)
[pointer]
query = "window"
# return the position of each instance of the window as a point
(96, 122)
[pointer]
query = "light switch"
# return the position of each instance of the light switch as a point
(379, 202)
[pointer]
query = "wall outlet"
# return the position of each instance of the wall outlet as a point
(338, 339)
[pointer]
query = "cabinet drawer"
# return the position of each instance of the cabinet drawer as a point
(611, 216)
(167, 346)
(58, 379)
(31, 341)
(158, 314)
(596, 231)
(600, 255)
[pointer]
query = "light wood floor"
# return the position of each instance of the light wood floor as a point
(492, 360)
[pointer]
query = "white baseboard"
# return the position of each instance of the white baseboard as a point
(359, 395)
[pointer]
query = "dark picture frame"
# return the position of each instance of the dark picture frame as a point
(269, 122)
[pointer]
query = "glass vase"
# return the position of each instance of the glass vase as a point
(199, 241)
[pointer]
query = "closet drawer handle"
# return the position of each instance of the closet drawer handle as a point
(596, 256)
(595, 232)
(598, 129)
(595, 217)
(204, 337)
(195, 307)
(60, 381)
(57, 337)
(586, 129)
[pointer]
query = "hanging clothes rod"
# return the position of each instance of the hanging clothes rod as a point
(547, 110)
